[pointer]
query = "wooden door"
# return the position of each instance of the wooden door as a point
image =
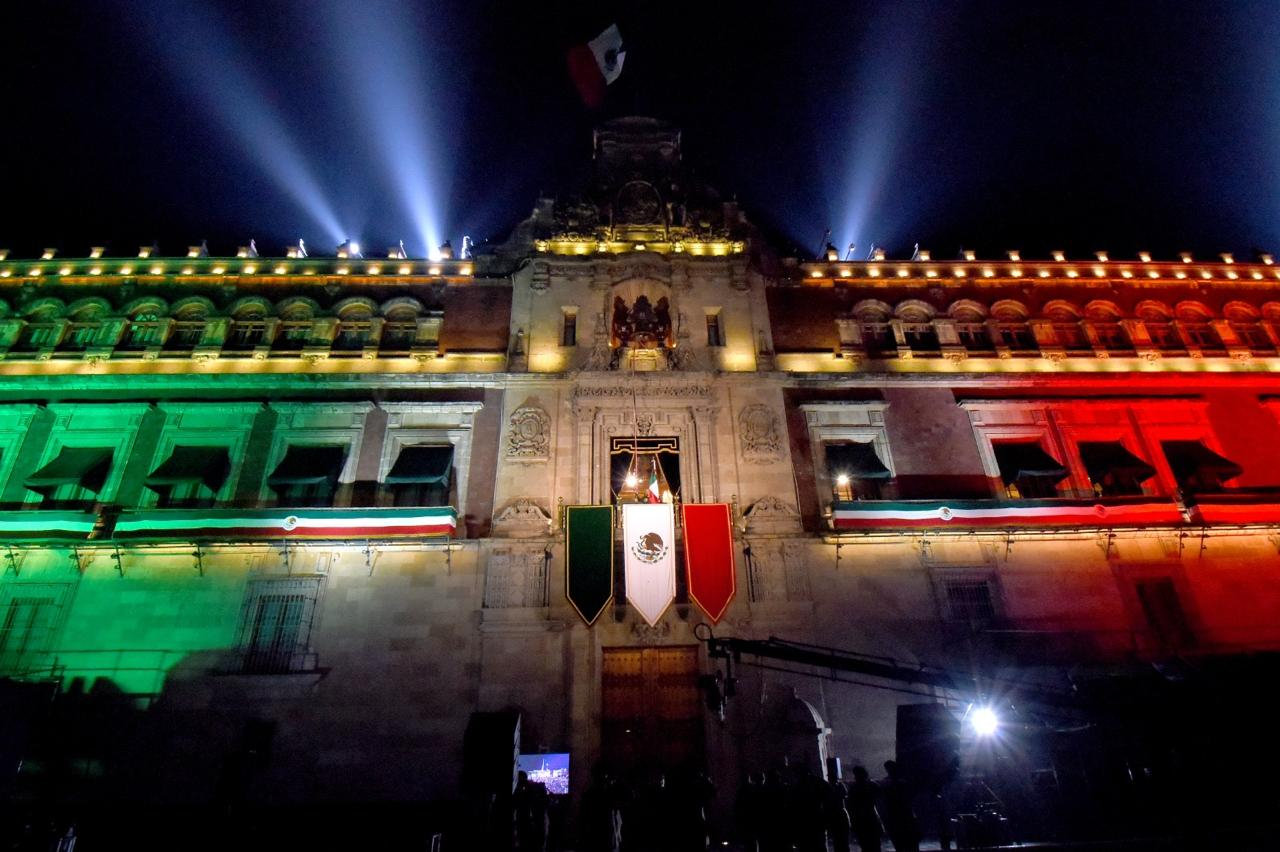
(652, 709)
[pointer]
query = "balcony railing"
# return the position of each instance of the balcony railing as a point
(1058, 512)
(286, 522)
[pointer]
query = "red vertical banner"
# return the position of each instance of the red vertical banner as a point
(708, 556)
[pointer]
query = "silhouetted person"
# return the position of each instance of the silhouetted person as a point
(810, 831)
(899, 814)
(655, 827)
(775, 819)
(696, 799)
(529, 800)
(748, 811)
(601, 815)
(837, 816)
(864, 821)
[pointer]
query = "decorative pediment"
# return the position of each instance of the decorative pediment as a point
(523, 518)
(619, 273)
(771, 515)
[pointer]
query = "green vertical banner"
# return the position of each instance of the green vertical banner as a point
(588, 559)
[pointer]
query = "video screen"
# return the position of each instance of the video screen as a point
(549, 769)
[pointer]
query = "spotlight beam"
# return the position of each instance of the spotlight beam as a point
(397, 94)
(198, 49)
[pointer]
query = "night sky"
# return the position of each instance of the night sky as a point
(987, 125)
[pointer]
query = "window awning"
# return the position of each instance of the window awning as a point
(422, 464)
(186, 465)
(858, 460)
(1027, 459)
(1110, 458)
(308, 465)
(1192, 460)
(86, 467)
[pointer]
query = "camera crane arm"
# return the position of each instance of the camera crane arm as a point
(825, 662)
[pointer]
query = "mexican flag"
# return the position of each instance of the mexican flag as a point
(649, 545)
(596, 64)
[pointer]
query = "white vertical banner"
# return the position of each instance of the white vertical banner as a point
(649, 539)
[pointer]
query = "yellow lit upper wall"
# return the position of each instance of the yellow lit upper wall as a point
(889, 272)
(695, 248)
(453, 271)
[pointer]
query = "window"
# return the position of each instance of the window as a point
(79, 336)
(1202, 335)
(191, 476)
(293, 335)
(1164, 336)
(1112, 337)
(850, 451)
(421, 475)
(1027, 470)
(275, 630)
(920, 336)
(855, 470)
(878, 339)
(142, 332)
(245, 333)
(569, 328)
(974, 336)
(185, 335)
(76, 473)
(308, 475)
(1254, 336)
(38, 335)
(1113, 470)
(352, 335)
(397, 336)
(29, 616)
(639, 466)
(969, 601)
(715, 334)
(1016, 336)
(1165, 617)
(1197, 469)
(1071, 336)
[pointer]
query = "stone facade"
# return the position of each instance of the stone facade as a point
(606, 317)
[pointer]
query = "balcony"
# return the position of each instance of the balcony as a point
(286, 523)
(48, 525)
(1035, 513)
(1234, 507)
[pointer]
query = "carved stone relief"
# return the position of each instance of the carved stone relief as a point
(642, 391)
(767, 572)
(772, 515)
(516, 578)
(797, 572)
(654, 635)
(778, 572)
(522, 519)
(759, 434)
(529, 435)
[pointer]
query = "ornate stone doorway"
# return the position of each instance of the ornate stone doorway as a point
(651, 710)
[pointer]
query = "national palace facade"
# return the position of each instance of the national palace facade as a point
(275, 528)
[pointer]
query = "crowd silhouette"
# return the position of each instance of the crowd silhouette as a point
(783, 810)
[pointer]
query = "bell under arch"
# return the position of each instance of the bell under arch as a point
(642, 322)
